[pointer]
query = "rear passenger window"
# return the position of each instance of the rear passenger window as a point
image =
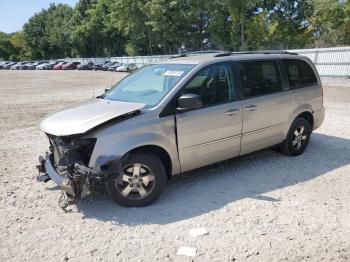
(300, 73)
(260, 78)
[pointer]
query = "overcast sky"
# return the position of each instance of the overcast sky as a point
(15, 13)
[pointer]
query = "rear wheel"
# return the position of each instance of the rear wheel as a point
(141, 182)
(298, 137)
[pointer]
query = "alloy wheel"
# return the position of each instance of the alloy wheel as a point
(136, 182)
(299, 137)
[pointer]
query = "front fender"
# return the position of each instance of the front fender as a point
(105, 153)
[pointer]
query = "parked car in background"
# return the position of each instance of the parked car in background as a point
(177, 116)
(48, 66)
(126, 67)
(17, 65)
(33, 66)
(98, 66)
(24, 65)
(132, 67)
(122, 68)
(86, 66)
(106, 66)
(42, 66)
(70, 66)
(8, 65)
(4, 63)
(59, 65)
(113, 67)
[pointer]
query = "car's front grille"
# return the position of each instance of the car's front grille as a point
(68, 150)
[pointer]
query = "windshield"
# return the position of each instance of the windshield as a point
(149, 84)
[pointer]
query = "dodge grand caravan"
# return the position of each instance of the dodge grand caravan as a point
(172, 117)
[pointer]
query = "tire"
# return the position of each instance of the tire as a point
(298, 138)
(142, 181)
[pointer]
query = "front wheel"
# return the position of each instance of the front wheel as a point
(142, 180)
(298, 137)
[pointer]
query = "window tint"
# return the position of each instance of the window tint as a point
(213, 84)
(259, 78)
(300, 74)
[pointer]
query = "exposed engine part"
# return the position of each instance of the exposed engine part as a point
(64, 201)
(67, 165)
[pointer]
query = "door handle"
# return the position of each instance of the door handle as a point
(251, 108)
(232, 112)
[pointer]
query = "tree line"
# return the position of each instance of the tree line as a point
(97, 28)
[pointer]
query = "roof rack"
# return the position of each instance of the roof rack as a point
(261, 52)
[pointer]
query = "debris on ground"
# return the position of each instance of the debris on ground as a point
(196, 232)
(187, 251)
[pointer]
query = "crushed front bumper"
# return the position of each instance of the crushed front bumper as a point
(48, 172)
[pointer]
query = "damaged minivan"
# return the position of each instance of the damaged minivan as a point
(172, 117)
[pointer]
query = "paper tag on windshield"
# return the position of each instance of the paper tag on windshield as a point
(173, 73)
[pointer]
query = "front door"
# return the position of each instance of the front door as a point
(213, 132)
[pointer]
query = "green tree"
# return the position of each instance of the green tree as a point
(48, 33)
(330, 22)
(92, 31)
(289, 24)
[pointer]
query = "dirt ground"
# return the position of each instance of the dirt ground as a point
(260, 207)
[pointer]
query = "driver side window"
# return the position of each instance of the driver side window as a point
(213, 84)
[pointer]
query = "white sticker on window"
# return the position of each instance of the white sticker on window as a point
(173, 73)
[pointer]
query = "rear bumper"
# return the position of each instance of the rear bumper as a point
(319, 118)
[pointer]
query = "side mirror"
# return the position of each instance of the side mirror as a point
(189, 102)
(107, 89)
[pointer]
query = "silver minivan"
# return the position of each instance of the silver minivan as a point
(172, 117)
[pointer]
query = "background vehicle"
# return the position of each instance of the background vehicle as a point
(42, 66)
(24, 65)
(48, 66)
(86, 66)
(122, 68)
(126, 67)
(98, 66)
(4, 63)
(174, 117)
(106, 66)
(17, 65)
(113, 67)
(59, 65)
(8, 65)
(70, 66)
(33, 65)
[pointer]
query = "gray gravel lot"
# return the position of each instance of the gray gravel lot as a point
(260, 207)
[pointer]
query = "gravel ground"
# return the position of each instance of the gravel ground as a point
(260, 207)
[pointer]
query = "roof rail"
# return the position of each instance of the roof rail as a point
(197, 53)
(178, 56)
(206, 52)
(262, 52)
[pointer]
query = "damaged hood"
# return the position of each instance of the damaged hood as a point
(80, 118)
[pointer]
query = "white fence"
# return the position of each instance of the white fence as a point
(333, 61)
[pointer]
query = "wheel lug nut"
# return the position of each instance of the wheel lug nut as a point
(141, 180)
(138, 185)
(131, 185)
(130, 179)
